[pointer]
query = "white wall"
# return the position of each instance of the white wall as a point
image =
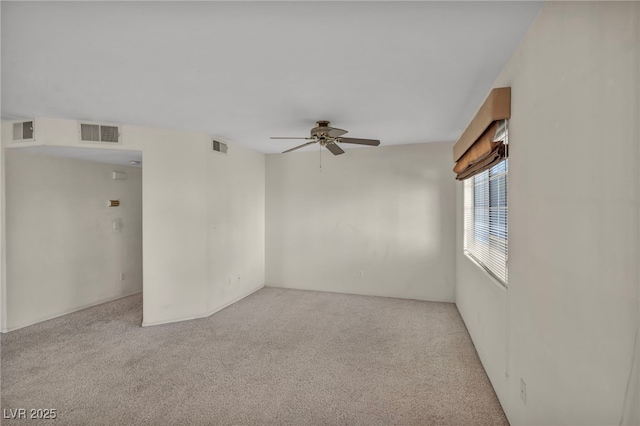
(2, 227)
(3, 268)
(63, 252)
(387, 211)
(203, 224)
(236, 206)
(190, 270)
(175, 224)
(567, 324)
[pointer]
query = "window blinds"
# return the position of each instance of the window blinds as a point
(485, 219)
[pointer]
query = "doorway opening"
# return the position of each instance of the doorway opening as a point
(73, 230)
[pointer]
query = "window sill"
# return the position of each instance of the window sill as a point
(495, 280)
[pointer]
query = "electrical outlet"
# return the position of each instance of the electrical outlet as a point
(523, 392)
(361, 274)
(122, 276)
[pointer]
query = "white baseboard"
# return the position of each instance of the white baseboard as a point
(368, 294)
(68, 311)
(206, 314)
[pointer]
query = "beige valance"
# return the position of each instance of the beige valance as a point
(481, 145)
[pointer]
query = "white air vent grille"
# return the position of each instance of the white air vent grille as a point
(90, 132)
(109, 134)
(99, 133)
(23, 131)
(220, 147)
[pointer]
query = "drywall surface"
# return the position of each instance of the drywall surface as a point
(175, 224)
(566, 326)
(373, 221)
(236, 208)
(63, 253)
(203, 224)
(3, 287)
(203, 217)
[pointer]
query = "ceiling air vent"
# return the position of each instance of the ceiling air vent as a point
(23, 131)
(99, 133)
(219, 146)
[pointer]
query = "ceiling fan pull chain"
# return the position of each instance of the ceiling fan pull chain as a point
(320, 151)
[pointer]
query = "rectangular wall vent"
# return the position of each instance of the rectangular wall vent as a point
(90, 132)
(109, 134)
(219, 146)
(99, 133)
(23, 131)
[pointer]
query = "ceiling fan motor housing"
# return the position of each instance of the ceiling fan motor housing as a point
(321, 129)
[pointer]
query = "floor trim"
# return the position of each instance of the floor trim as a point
(68, 311)
(207, 314)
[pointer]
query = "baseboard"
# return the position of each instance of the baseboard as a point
(206, 314)
(68, 311)
(388, 296)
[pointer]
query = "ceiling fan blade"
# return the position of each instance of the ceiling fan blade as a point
(335, 149)
(334, 133)
(287, 137)
(299, 146)
(372, 142)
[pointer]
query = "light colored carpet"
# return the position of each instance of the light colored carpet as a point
(276, 357)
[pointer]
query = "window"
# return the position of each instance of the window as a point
(485, 219)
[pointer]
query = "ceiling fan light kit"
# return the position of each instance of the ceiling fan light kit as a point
(329, 137)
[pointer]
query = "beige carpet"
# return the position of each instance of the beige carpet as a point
(276, 357)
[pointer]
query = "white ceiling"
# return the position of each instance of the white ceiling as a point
(401, 72)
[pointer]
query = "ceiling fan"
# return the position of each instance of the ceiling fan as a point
(329, 137)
